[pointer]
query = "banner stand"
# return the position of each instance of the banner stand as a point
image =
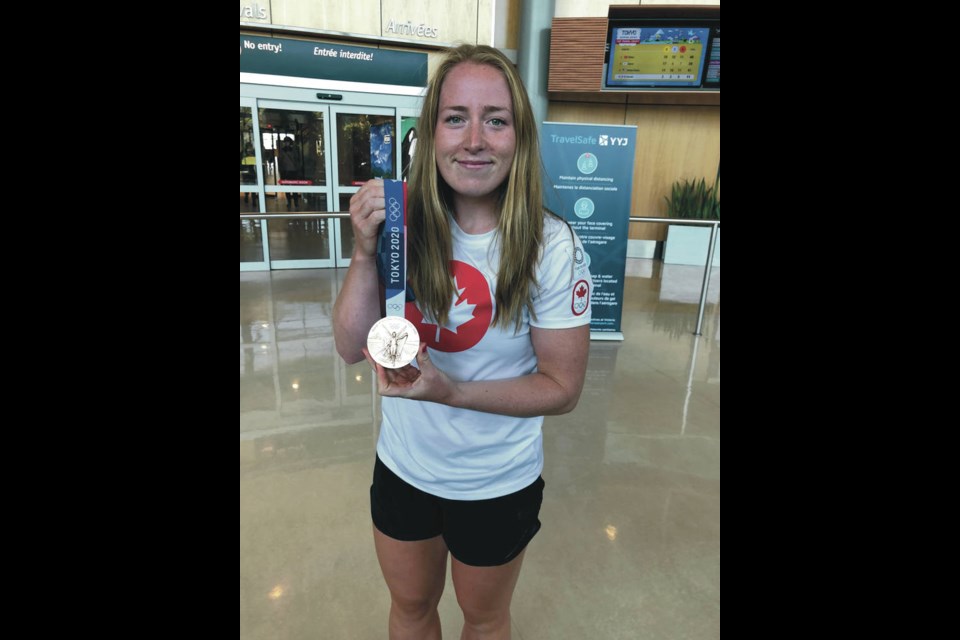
(589, 182)
(606, 335)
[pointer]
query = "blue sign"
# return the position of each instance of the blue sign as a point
(303, 59)
(589, 181)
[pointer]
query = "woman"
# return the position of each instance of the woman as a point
(504, 337)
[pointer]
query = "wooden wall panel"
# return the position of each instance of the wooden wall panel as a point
(653, 3)
(513, 24)
(585, 8)
(580, 8)
(584, 113)
(356, 16)
(485, 22)
(456, 22)
(673, 143)
(576, 54)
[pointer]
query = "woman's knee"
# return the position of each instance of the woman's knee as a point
(485, 593)
(485, 620)
(415, 606)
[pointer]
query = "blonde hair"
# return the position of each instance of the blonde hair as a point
(520, 216)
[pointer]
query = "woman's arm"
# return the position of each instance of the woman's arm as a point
(554, 389)
(358, 304)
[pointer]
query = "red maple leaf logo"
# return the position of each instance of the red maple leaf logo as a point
(469, 317)
(582, 291)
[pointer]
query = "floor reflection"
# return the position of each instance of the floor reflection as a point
(630, 545)
(296, 395)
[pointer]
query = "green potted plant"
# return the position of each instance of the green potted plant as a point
(692, 200)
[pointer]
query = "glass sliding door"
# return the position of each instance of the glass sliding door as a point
(296, 168)
(366, 146)
(254, 253)
(298, 156)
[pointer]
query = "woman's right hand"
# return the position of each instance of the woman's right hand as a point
(367, 211)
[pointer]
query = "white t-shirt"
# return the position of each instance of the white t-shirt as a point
(464, 454)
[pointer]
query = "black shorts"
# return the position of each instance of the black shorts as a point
(480, 533)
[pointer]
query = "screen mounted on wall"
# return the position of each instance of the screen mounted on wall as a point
(663, 54)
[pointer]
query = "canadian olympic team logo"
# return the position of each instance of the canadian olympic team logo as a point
(581, 297)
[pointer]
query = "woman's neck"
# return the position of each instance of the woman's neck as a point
(475, 215)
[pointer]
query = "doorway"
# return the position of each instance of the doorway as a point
(301, 157)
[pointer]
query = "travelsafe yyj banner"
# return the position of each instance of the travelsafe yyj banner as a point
(589, 181)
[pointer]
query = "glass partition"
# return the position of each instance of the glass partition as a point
(292, 142)
(297, 156)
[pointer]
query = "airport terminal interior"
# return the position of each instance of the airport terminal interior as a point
(630, 544)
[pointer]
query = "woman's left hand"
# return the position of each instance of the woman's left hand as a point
(426, 383)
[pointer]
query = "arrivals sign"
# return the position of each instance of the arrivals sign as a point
(589, 181)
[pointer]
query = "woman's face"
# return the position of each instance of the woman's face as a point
(475, 138)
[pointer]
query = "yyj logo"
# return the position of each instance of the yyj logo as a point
(613, 141)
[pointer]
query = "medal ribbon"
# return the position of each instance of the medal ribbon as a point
(393, 246)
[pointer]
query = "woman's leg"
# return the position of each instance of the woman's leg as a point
(415, 573)
(484, 594)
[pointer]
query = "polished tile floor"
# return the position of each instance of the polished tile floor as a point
(630, 545)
